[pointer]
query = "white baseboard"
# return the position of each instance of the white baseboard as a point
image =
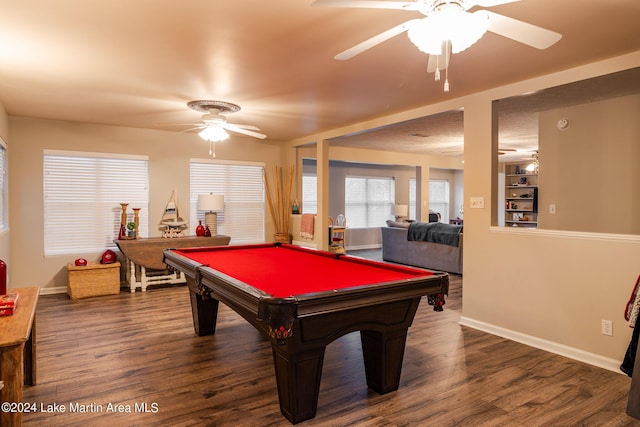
(51, 291)
(362, 247)
(63, 290)
(550, 346)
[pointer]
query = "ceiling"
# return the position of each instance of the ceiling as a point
(137, 63)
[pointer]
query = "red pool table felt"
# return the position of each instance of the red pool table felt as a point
(283, 271)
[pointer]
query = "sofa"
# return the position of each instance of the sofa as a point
(396, 247)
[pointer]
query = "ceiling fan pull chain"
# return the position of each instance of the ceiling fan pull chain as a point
(446, 69)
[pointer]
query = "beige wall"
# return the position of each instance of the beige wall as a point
(549, 289)
(169, 154)
(5, 236)
(590, 170)
(546, 288)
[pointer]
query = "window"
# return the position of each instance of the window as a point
(439, 198)
(309, 193)
(82, 196)
(3, 186)
(369, 201)
(242, 186)
(412, 199)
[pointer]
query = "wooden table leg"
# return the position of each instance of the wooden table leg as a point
(12, 373)
(383, 355)
(205, 313)
(298, 378)
(30, 357)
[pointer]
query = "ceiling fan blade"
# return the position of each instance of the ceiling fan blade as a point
(194, 128)
(235, 128)
(177, 124)
(491, 3)
(520, 31)
(368, 4)
(373, 41)
(249, 127)
(439, 62)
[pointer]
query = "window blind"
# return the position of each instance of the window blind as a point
(369, 201)
(439, 198)
(242, 186)
(309, 194)
(82, 196)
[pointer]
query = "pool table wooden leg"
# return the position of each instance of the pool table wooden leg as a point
(205, 313)
(298, 376)
(383, 354)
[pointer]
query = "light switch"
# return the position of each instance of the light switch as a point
(552, 208)
(476, 202)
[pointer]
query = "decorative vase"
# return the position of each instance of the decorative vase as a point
(200, 229)
(207, 232)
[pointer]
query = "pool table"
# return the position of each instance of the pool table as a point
(302, 299)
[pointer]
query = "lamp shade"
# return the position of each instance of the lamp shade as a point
(401, 210)
(210, 202)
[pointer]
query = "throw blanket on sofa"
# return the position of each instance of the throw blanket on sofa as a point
(435, 232)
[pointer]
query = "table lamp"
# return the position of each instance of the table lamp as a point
(401, 211)
(211, 203)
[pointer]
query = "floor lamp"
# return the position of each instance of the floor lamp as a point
(211, 203)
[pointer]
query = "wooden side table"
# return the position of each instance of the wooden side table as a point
(18, 351)
(146, 253)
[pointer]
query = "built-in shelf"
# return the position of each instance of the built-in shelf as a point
(521, 196)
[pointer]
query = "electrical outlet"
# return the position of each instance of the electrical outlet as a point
(607, 327)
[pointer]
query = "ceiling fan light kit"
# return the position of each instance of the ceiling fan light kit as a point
(213, 134)
(454, 25)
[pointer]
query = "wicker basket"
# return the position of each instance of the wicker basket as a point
(93, 280)
(282, 237)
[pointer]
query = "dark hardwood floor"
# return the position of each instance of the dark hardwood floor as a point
(137, 349)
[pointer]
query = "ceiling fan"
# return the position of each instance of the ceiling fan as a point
(214, 125)
(447, 27)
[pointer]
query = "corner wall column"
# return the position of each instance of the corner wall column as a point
(322, 171)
